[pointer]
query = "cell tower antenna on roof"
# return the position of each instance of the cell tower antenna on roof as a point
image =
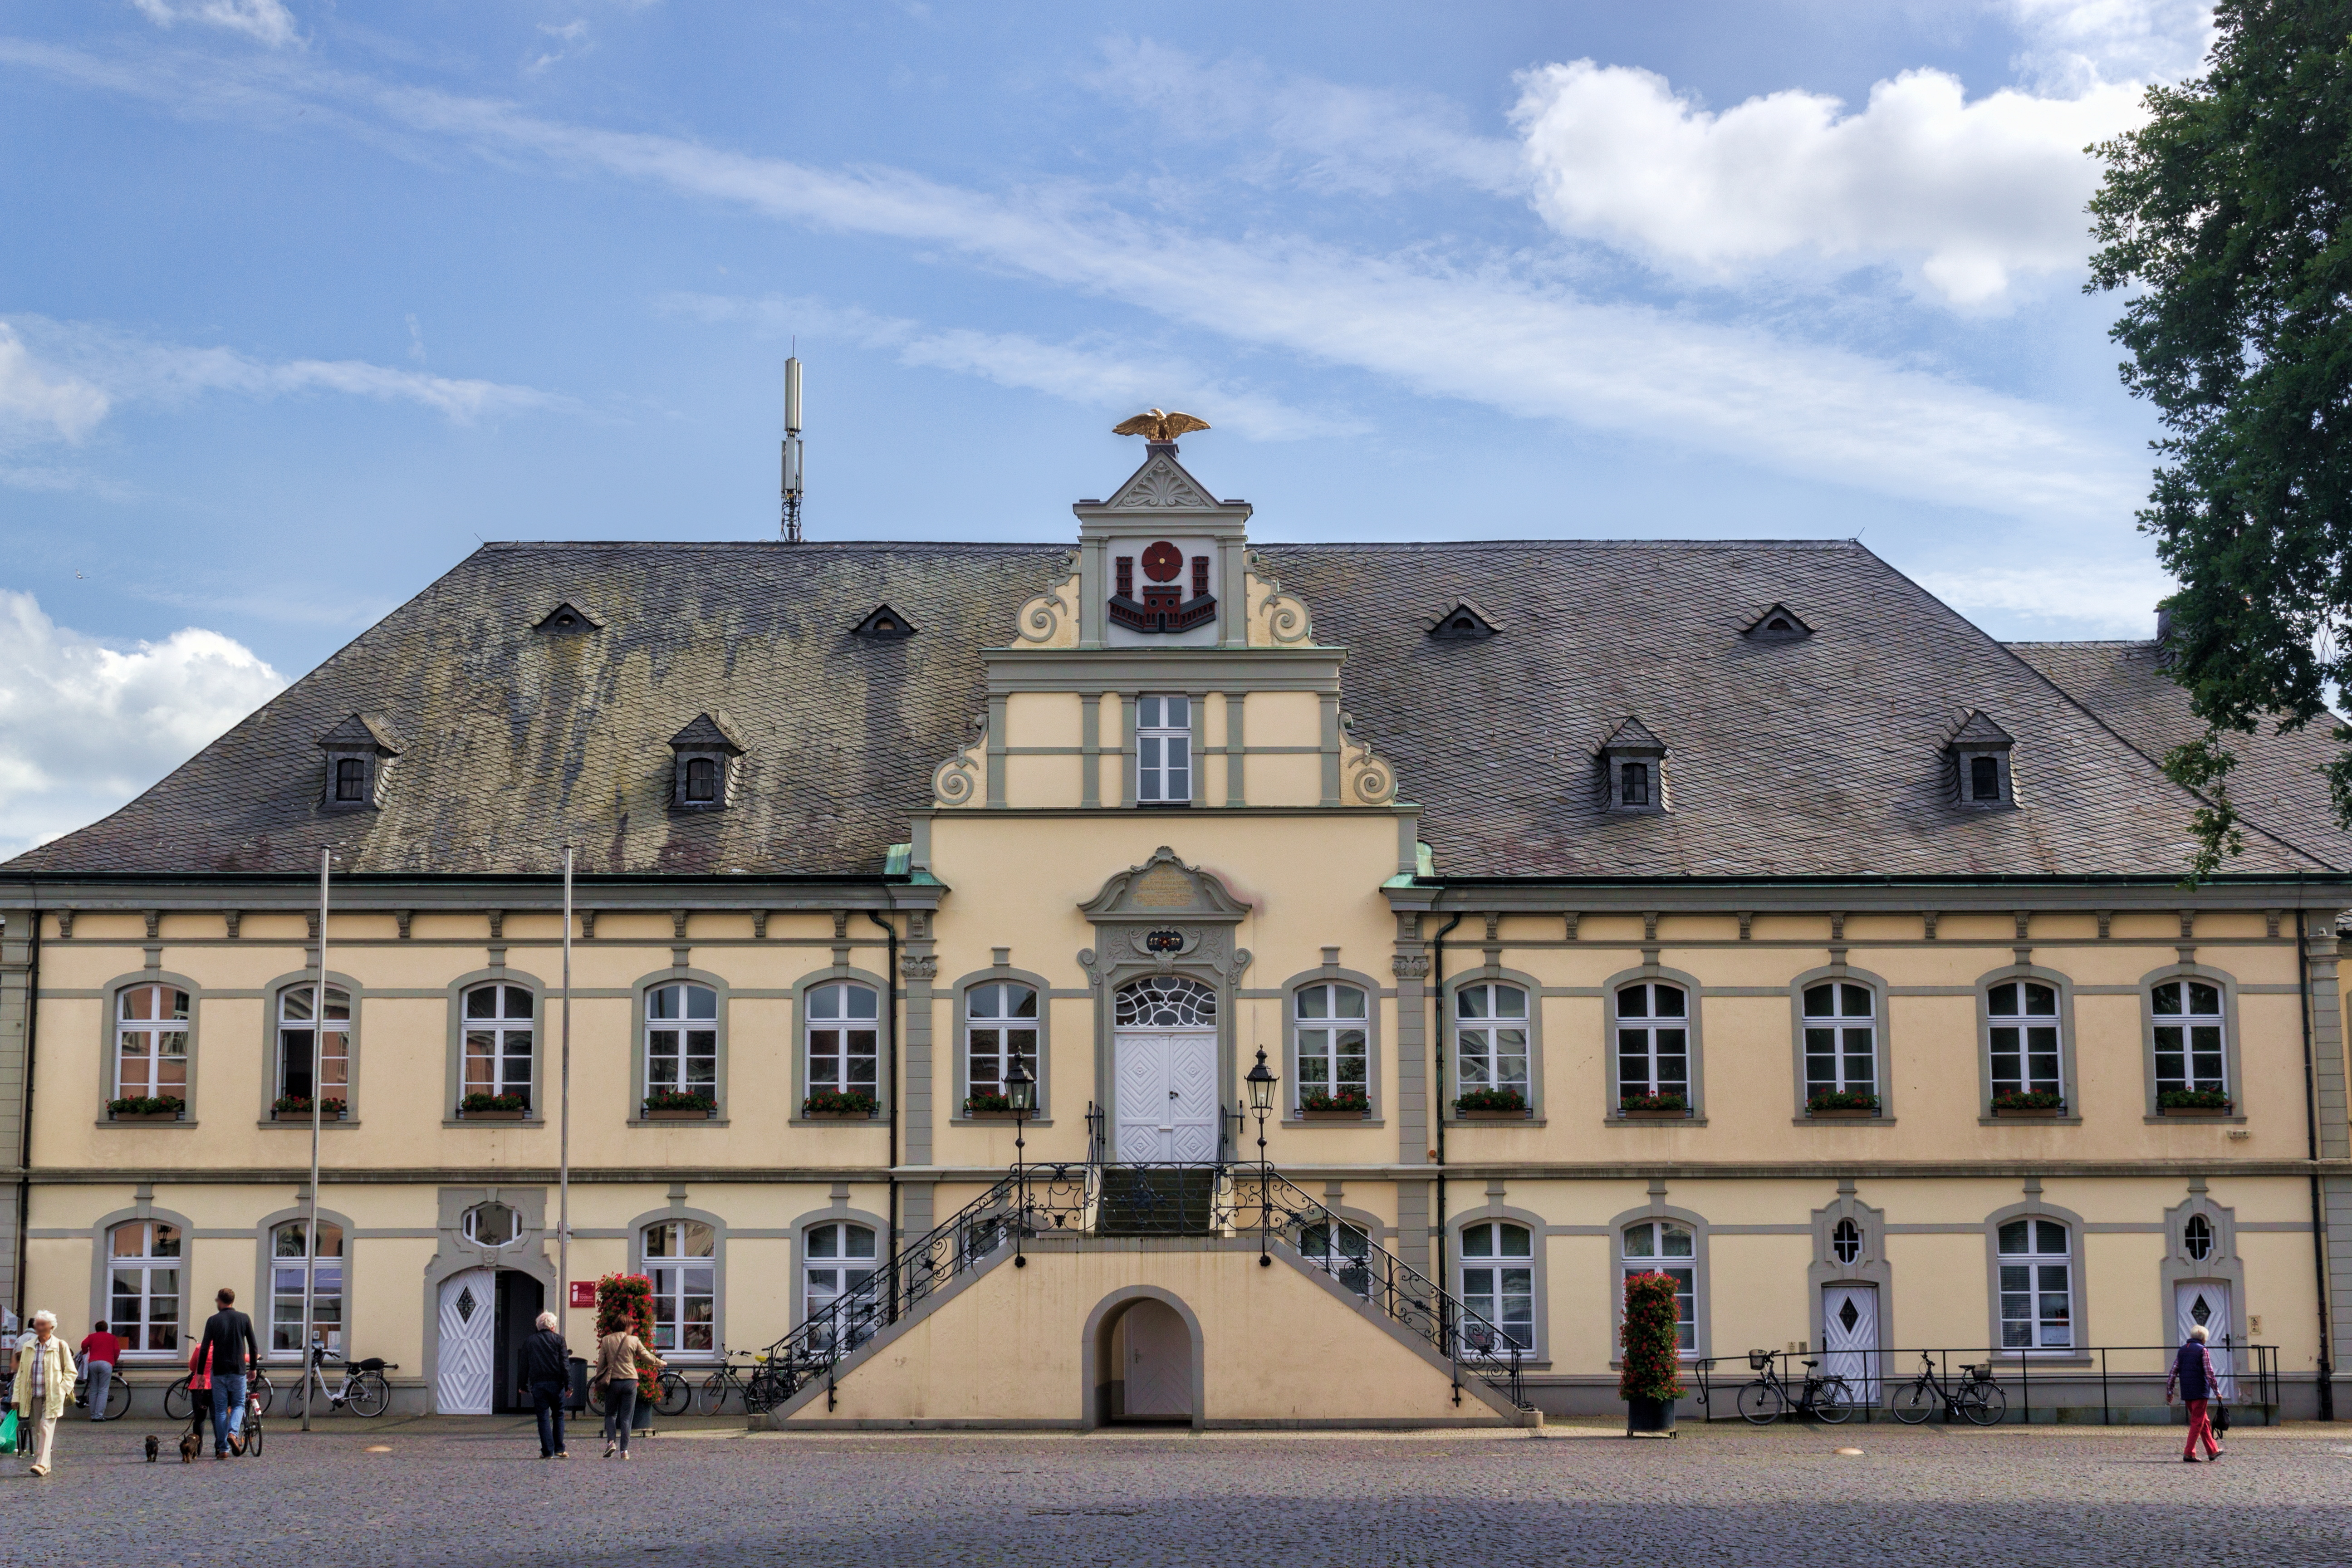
(793, 471)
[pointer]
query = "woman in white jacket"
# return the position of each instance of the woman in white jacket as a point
(45, 1380)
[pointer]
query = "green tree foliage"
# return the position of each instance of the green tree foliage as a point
(2231, 212)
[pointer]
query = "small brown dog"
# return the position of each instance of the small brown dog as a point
(192, 1443)
(154, 1446)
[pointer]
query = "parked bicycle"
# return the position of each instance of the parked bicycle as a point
(755, 1384)
(1975, 1396)
(364, 1390)
(1824, 1397)
(178, 1407)
(118, 1396)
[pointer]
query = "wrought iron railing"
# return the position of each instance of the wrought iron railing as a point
(2065, 1379)
(1107, 1197)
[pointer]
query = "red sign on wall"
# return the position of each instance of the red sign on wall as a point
(584, 1293)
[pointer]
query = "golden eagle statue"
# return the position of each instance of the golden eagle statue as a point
(1157, 426)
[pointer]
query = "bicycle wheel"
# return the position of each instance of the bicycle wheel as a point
(299, 1396)
(118, 1400)
(675, 1395)
(259, 1388)
(1914, 1401)
(252, 1437)
(1762, 1402)
(762, 1392)
(711, 1399)
(596, 1401)
(1983, 1404)
(177, 1405)
(1834, 1401)
(370, 1393)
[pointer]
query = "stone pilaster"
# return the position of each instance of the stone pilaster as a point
(17, 930)
(1409, 965)
(918, 966)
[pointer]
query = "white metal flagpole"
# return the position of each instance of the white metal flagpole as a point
(563, 1133)
(318, 1050)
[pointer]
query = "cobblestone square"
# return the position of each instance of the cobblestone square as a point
(472, 1492)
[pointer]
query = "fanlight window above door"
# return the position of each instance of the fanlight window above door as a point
(1165, 1002)
(492, 1224)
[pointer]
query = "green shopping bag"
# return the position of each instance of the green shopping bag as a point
(8, 1433)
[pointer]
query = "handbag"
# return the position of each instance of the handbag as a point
(2220, 1417)
(8, 1433)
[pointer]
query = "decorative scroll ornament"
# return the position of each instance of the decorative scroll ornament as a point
(1410, 966)
(1371, 779)
(955, 782)
(919, 966)
(1279, 618)
(1041, 619)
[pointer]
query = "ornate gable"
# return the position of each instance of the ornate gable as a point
(1160, 914)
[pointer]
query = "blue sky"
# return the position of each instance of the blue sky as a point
(300, 299)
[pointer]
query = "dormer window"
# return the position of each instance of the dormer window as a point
(1980, 750)
(567, 619)
(1632, 770)
(1779, 624)
(703, 764)
(358, 752)
(885, 623)
(1465, 622)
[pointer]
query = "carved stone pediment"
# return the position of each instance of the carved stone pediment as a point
(1163, 889)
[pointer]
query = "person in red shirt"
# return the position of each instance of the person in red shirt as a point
(100, 1351)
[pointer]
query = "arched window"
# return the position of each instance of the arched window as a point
(2037, 1285)
(1498, 1283)
(2197, 1238)
(843, 1036)
(1342, 1251)
(839, 1261)
(1845, 1241)
(702, 779)
(296, 1025)
(999, 1029)
(681, 1262)
(1334, 1049)
(151, 1051)
(287, 1266)
(682, 1041)
(2191, 1055)
(499, 1041)
(1490, 1038)
(1665, 1247)
(351, 779)
(1653, 1042)
(143, 1270)
(1841, 1047)
(1164, 1002)
(2025, 1054)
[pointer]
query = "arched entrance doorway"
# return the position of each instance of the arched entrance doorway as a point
(486, 1315)
(1164, 1070)
(1146, 1365)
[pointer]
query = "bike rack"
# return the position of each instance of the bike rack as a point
(2255, 1365)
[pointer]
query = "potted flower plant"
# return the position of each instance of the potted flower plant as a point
(624, 1305)
(988, 1108)
(297, 1107)
(1345, 1105)
(1662, 1105)
(2041, 1102)
(2192, 1102)
(839, 1105)
(1650, 1377)
(1842, 1104)
(480, 1107)
(1492, 1105)
(680, 1105)
(146, 1107)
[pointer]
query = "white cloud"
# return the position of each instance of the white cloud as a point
(566, 36)
(85, 726)
(1971, 195)
(1101, 375)
(35, 400)
(2056, 597)
(2072, 45)
(266, 21)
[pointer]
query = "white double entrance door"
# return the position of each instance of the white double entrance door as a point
(1166, 1086)
(468, 1343)
(1850, 1338)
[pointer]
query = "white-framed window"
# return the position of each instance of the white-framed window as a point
(142, 1269)
(1163, 749)
(843, 1038)
(1841, 1025)
(1665, 1247)
(999, 1029)
(1653, 1039)
(286, 1265)
(151, 1049)
(839, 1257)
(2037, 1285)
(681, 1259)
(1498, 1283)
(499, 1041)
(491, 1225)
(2026, 1058)
(1334, 1045)
(682, 1040)
(296, 1024)
(1490, 1037)
(2191, 1036)
(1341, 1250)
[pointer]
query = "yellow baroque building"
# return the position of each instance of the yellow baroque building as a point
(1733, 911)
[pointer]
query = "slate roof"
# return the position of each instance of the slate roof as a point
(1821, 756)
(2276, 781)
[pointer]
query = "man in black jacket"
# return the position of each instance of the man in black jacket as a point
(546, 1378)
(228, 1340)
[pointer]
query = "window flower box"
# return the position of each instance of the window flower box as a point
(146, 1107)
(675, 1105)
(1845, 1105)
(2193, 1102)
(1655, 1107)
(297, 1107)
(833, 1105)
(2044, 1103)
(1492, 1105)
(479, 1107)
(1351, 1105)
(989, 1108)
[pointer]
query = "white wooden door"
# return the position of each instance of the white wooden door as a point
(1159, 1361)
(2206, 1303)
(461, 1384)
(1850, 1338)
(1167, 1084)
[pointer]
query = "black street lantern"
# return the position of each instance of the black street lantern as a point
(1021, 1088)
(1021, 1092)
(1261, 1086)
